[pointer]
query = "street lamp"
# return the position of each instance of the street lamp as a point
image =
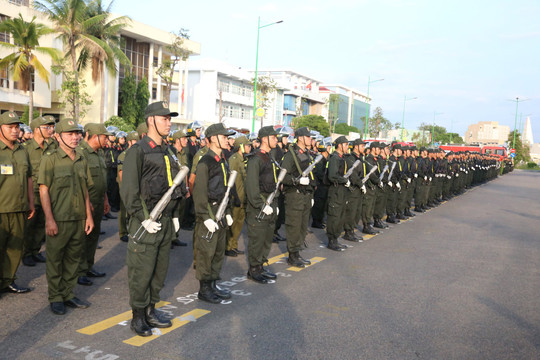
(433, 128)
(515, 120)
(403, 118)
(367, 107)
(259, 27)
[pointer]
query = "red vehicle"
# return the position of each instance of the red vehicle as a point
(500, 151)
(455, 148)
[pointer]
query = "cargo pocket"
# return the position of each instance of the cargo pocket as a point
(136, 247)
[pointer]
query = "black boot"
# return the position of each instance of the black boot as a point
(334, 245)
(409, 213)
(304, 261)
(349, 236)
(268, 274)
(206, 293)
(294, 260)
(392, 219)
(419, 209)
(255, 274)
(139, 324)
(369, 230)
(221, 293)
(153, 319)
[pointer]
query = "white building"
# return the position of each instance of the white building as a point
(527, 132)
(221, 92)
(344, 105)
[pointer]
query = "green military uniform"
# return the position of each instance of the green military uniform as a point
(353, 212)
(35, 227)
(195, 161)
(15, 170)
(67, 182)
(122, 217)
(368, 207)
(260, 182)
(208, 192)
(96, 192)
(236, 162)
(337, 196)
(298, 198)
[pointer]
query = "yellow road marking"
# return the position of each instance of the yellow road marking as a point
(176, 323)
(112, 321)
(313, 260)
(277, 258)
(367, 236)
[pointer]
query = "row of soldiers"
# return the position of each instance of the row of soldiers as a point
(276, 175)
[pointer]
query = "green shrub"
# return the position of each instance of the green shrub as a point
(531, 165)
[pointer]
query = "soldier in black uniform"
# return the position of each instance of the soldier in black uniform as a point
(320, 196)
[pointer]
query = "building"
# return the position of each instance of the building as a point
(487, 133)
(300, 96)
(144, 45)
(345, 105)
(535, 153)
(527, 132)
(221, 92)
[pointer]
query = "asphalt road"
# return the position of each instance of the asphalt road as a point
(459, 282)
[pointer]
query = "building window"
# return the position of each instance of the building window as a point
(17, 85)
(19, 2)
(138, 53)
(4, 81)
(4, 36)
(154, 93)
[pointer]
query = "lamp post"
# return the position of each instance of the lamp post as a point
(259, 27)
(367, 107)
(403, 118)
(433, 128)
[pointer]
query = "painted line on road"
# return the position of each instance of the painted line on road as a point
(176, 323)
(368, 236)
(276, 258)
(313, 260)
(112, 321)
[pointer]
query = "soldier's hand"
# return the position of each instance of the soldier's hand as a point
(363, 189)
(211, 225)
(398, 185)
(381, 185)
(89, 225)
(106, 208)
(390, 184)
(151, 226)
(415, 175)
(267, 210)
(229, 219)
(31, 213)
(304, 180)
(348, 183)
(409, 180)
(51, 229)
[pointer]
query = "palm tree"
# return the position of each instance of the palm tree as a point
(107, 35)
(23, 61)
(72, 23)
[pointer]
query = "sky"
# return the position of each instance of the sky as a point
(464, 61)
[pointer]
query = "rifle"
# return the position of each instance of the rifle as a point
(350, 171)
(382, 172)
(163, 202)
(223, 205)
(310, 167)
(392, 170)
(366, 178)
(271, 197)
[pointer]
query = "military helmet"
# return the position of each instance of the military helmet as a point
(192, 127)
(121, 134)
(112, 129)
(324, 144)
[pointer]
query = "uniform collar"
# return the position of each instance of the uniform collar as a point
(4, 146)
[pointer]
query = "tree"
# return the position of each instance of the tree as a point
(522, 151)
(107, 34)
(178, 53)
(73, 91)
(142, 95)
(128, 90)
(345, 129)
(72, 23)
(334, 102)
(378, 123)
(23, 62)
(313, 122)
(120, 123)
(265, 86)
(397, 125)
(26, 115)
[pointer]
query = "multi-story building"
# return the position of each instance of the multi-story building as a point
(301, 94)
(144, 45)
(344, 105)
(487, 133)
(527, 136)
(220, 92)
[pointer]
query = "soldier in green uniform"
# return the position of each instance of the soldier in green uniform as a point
(147, 173)
(131, 139)
(320, 197)
(64, 179)
(43, 128)
(262, 172)
(298, 195)
(337, 193)
(371, 188)
(195, 161)
(237, 162)
(353, 213)
(16, 200)
(211, 236)
(92, 152)
(179, 142)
